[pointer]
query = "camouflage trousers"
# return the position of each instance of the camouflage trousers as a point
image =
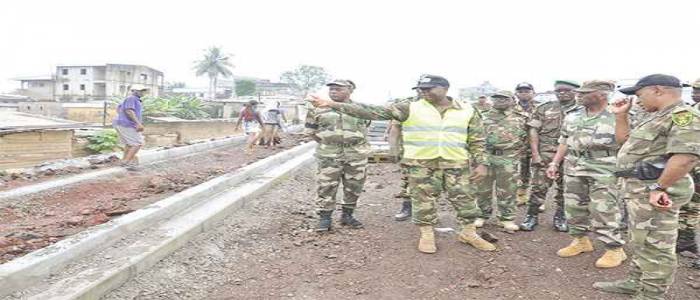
(653, 234)
(426, 185)
(540, 183)
(590, 203)
(524, 170)
(404, 193)
(330, 173)
(504, 177)
(689, 215)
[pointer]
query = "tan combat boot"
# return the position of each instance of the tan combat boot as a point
(521, 197)
(611, 258)
(577, 246)
(426, 244)
(510, 226)
(469, 236)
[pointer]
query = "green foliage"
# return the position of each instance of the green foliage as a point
(214, 63)
(188, 108)
(245, 87)
(305, 78)
(103, 142)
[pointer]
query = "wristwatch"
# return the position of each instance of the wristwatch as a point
(656, 187)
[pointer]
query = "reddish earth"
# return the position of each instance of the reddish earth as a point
(266, 251)
(44, 219)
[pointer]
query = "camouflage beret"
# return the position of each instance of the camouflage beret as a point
(596, 85)
(568, 82)
(503, 94)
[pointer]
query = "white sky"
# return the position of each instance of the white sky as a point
(382, 45)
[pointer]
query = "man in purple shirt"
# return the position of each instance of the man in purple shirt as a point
(129, 127)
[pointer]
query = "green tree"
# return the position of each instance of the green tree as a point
(305, 78)
(245, 87)
(214, 63)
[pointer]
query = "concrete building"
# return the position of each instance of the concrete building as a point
(80, 83)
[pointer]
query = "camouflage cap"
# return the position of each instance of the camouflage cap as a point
(596, 85)
(342, 82)
(503, 94)
(696, 84)
(567, 82)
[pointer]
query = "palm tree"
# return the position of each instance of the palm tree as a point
(213, 64)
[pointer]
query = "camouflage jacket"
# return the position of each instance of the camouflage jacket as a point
(506, 135)
(482, 107)
(547, 120)
(339, 135)
(590, 141)
(400, 112)
(676, 129)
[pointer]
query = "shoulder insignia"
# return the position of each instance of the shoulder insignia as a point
(682, 118)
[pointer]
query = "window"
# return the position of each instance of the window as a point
(64, 71)
(41, 85)
(66, 87)
(83, 71)
(144, 77)
(82, 87)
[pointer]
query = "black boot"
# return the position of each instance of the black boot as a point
(346, 219)
(529, 223)
(695, 264)
(686, 241)
(324, 223)
(560, 221)
(405, 212)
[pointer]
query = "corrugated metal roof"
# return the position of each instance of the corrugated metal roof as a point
(11, 121)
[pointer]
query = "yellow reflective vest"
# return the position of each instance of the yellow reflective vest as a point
(428, 135)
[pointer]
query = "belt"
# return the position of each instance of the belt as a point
(594, 153)
(628, 173)
(499, 152)
(344, 144)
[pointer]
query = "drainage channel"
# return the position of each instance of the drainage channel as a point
(135, 241)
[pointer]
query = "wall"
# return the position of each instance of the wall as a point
(50, 109)
(89, 114)
(42, 90)
(168, 133)
(24, 149)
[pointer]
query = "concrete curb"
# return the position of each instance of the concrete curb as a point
(145, 157)
(33, 267)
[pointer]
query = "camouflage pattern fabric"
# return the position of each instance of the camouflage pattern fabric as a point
(653, 233)
(689, 215)
(482, 108)
(590, 191)
(506, 139)
(524, 166)
(330, 173)
(341, 155)
(547, 120)
(428, 183)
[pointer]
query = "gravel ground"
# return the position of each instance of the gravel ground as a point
(266, 250)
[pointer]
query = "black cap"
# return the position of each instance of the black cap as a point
(653, 79)
(431, 81)
(524, 85)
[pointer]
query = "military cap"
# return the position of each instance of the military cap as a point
(567, 82)
(431, 81)
(596, 85)
(524, 85)
(503, 94)
(696, 84)
(651, 80)
(342, 82)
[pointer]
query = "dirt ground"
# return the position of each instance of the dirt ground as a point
(46, 218)
(266, 250)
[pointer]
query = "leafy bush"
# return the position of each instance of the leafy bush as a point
(103, 142)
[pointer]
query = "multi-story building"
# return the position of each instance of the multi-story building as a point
(77, 83)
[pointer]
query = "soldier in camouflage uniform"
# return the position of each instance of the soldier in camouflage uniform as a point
(341, 155)
(441, 137)
(506, 140)
(482, 104)
(590, 187)
(654, 164)
(526, 103)
(689, 215)
(545, 127)
(394, 136)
